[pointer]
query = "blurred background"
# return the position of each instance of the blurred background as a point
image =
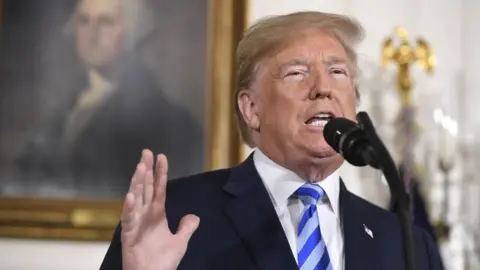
(79, 79)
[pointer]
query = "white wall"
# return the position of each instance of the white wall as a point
(16, 254)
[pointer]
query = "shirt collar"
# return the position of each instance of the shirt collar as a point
(281, 183)
(99, 83)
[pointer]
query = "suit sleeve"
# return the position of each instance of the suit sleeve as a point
(113, 257)
(434, 258)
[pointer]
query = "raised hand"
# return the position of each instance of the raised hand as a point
(147, 242)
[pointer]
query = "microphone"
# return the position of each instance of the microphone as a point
(360, 145)
(348, 139)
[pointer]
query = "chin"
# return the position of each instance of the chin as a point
(96, 63)
(322, 150)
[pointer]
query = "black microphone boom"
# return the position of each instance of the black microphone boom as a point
(360, 145)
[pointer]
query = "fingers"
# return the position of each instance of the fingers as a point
(134, 197)
(148, 187)
(140, 191)
(188, 225)
(147, 158)
(139, 179)
(128, 214)
(160, 185)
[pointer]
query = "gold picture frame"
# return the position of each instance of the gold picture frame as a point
(95, 220)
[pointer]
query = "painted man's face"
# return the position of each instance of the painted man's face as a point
(100, 31)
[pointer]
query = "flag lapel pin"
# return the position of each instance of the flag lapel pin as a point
(368, 231)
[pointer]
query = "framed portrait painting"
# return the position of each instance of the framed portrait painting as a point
(86, 85)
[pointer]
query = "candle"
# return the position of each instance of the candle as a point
(448, 141)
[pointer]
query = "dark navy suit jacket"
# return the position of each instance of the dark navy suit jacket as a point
(239, 228)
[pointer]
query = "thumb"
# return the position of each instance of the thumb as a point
(188, 225)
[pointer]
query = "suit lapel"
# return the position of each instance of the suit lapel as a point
(255, 220)
(361, 246)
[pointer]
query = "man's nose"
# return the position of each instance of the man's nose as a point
(321, 87)
(93, 33)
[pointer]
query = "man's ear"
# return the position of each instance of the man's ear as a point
(249, 106)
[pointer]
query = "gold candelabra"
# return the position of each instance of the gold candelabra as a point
(405, 56)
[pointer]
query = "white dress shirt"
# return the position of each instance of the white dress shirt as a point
(281, 183)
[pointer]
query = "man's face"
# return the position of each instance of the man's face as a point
(309, 77)
(100, 31)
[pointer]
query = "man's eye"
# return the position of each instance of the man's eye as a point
(339, 71)
(295, 76)
(294, 73)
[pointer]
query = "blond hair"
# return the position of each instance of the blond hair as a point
(267, 36)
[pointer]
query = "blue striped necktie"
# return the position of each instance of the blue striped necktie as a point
(311, 248)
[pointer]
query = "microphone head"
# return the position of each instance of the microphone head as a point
(346, 138)
(335, 129)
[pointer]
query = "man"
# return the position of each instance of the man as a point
(92, 138)
(285, 207)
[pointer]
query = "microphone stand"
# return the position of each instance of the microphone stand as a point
(401, 203)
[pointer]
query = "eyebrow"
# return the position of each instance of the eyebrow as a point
(295, 62)
(332, 60)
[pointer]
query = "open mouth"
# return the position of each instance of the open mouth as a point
(320, 119)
